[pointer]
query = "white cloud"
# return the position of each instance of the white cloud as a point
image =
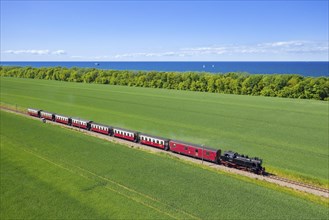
(284, 44)
(59, 52)
(147, 54)
(77, 57)
(280, 47)
(35, 52)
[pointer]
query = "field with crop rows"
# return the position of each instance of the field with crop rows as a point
(52, 172)
(290, 135)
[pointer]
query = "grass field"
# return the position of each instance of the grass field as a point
(290, 135)
(52, 172)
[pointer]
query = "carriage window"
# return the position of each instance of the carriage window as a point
(185, 148)
(207, 153)
(196, 150)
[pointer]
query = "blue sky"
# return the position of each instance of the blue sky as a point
(164, 30)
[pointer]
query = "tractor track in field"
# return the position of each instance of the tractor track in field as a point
(300, 186)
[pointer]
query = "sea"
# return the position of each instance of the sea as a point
(314, 69)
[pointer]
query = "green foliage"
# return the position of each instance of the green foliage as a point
(290, 135)
(78, 176)
(284, 85)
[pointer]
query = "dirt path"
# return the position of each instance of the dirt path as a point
(277, 180)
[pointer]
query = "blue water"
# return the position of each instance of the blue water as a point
(302, 68)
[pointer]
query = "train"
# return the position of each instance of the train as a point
(227, 158)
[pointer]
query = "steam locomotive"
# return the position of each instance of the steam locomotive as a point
(228, 158)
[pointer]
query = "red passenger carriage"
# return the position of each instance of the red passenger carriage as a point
(103, 129)
(34, 112)
(47, 115)
(81, 123)
(154, 141)
(63, 119)
(194, 150)
(125, 134)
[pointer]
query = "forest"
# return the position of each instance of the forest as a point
(274, 85)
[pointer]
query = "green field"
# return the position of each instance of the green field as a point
(52, 172)
(290, 135)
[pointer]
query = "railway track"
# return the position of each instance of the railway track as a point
(323, 192)
(271, 176)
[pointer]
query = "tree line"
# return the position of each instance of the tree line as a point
(274, 85)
